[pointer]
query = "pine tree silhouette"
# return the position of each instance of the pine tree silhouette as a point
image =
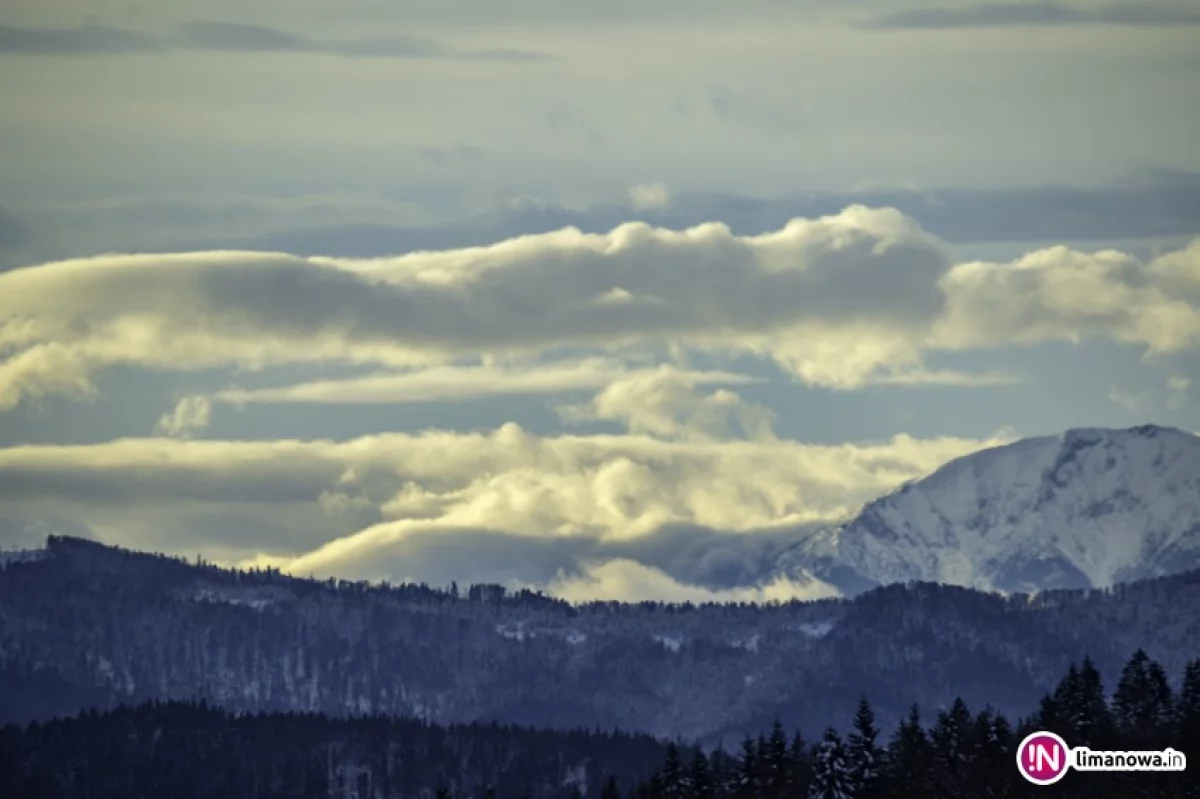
(864, 752)
(831, 772)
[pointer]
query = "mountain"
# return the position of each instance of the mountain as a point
(1085, 509)
(86, 625)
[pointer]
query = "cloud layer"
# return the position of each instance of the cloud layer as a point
(237, 37)
(439, 506)
(462, 382)
(690, 499)
(841, 301)
(1042, 13)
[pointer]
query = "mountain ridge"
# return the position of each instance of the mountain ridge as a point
(1088, 508)
(86, 625)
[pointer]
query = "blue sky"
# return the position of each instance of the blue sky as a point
(510, 290)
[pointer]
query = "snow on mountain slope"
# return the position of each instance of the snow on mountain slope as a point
(1088, 508)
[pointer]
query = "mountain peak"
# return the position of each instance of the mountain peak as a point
(1087, 508)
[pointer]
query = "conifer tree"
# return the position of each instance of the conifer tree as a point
(991, 774)
(651, 789)
(831, 772)
(1142, 702)
(1064, 694)
(951, 742)
(700, 784)
(610, 790)
(908, 762)
(774, 767)
(671, 778)
(799, 766)
(1089, 714)
(746, 780)
(864, 752)
(1187, 712)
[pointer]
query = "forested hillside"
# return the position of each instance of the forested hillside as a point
(86, 625)
(186, 750)
(957, 753)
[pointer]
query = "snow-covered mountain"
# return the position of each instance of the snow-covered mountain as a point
(1088, 508)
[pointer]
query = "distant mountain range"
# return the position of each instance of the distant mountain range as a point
(85, 625)
(1085, 509)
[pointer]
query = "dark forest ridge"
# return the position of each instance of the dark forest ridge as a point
(90, 625)
(948, 751)
(113, 556)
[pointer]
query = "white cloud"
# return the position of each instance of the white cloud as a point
(1177, 388)
(828, 298)
(664, 403)
(946, 377)
(523, 506)
(649, 197)
(45, 368)
(623, 580)
(190, 416)
(459, 382)
(1059, 294)
(841, 301)
(1131, 401)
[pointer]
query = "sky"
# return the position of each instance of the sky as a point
(612, 300)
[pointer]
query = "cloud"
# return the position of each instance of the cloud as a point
(526, 508)
(841, 301)
(236, 37)
(1163, 207)
(191, 416)
(621, 580)
(649, 197)
(1059, 294)
(41, 370)
(1131, 401)
(832, 299)
(1178, 383)
(462, 382)
(1038, 14)
(239, 37)
(946, 377)
(1177, 388)
(664, 403)
(83, 41)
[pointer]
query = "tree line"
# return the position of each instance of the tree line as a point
(189, 749)
(959, 754)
